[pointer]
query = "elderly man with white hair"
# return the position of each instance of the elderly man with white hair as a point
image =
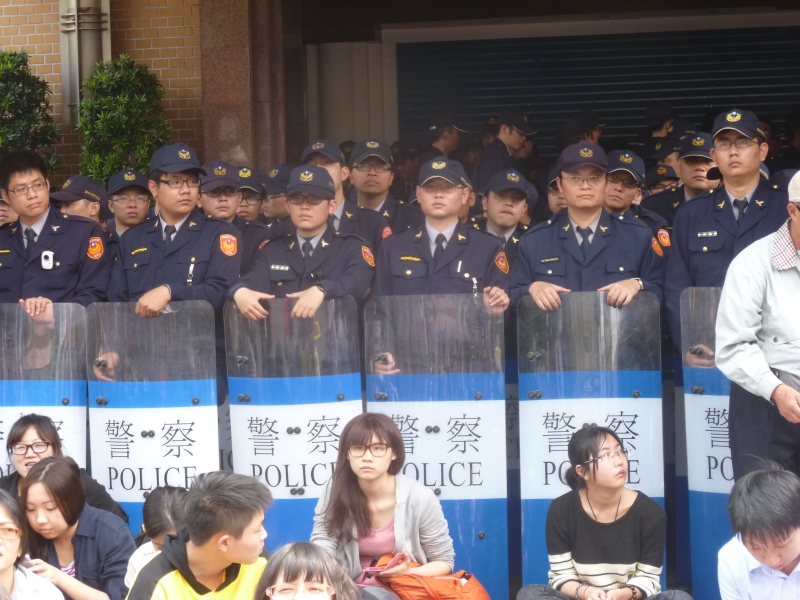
(758, 346)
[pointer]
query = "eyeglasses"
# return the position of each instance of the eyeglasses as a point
(659, 187)
(22, 190)
(134, 199)
(178, 183)
(577, 180)
(631, 184)
(740, 143)
(377, 450)
(37, 447)
(379, 168)
(313, 590)
(275, 196)
(10, 533)
(434, 188)
(251, 198)
(609, 456)
(218, 193)
(298, 199)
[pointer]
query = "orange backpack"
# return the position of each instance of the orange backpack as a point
(456, 586)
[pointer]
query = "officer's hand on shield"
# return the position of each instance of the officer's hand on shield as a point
(39, 309)
(308, 301)
(105, 366)
(384, 364)
(153, 302)
(248, 302)
(496, 300)
(546, 295)
(788, 402)
(621, 293)
(700, 356)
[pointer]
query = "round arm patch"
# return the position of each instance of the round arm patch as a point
(96, 248)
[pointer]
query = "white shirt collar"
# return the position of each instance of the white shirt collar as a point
(314, 241)
(493, 232)
(339, 211)
(38, 226)
(177, 225)
(433, 232)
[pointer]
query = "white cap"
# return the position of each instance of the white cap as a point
(794, 188)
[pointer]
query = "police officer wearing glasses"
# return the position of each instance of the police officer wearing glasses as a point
(129, 201)
(312, 264)
(624, 187)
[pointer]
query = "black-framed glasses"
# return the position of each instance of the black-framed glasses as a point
(609, 456)
(298, 199)
(218, 193)
(377, 450)
(37, 447)
(178, 183)
(251, 198)
(631, 184)
(379, 168)
(740, 143)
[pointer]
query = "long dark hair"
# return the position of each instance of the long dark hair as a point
(163, 511)
(348, 508)
(45, 429)
(311, 563)
(61, 478)
(584, 446)
(18, 517)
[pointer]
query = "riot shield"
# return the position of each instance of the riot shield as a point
(445, 391)
(43, 371)
(152, 399)
(294, 384)
(585, 363)
(706, 395)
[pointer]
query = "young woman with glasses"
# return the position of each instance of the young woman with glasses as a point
(35, 437)
(370, 509)
(604, 540)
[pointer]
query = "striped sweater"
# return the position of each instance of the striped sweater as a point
(605, 555)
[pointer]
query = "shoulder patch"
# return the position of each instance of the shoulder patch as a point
(368, 257)
(228, 244)
(663, 238)
(387, 231)
(502, 262)
(656, 247)
(96, 249)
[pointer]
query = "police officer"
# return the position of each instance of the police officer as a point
(660, 179)
(372, 176)
(314, 263)
(716, 225)
(624, 187)
(128, 201)
(251, 184)
(46, 256)
(443, 255)
(443, 137)
(220, 197)
(663, 151)
(181, 254)
(274, 209)
(585, 248)
(347, 217)
(406, 165)
(514, 129)
(693, 166)
(504, 204)
(81, 196)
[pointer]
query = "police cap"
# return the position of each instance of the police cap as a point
(782, 179)
(130, 178)
(372, 147)
(659, 173)
(680, 128)
(448, 169)
(443, 121)
(251, 179)
(311, 179)
(661, 147)
(583, 154)
(80, 187)
(219, 174)
(518, 121)
(509, 179)
(699, 144)
(175, 158)
(744, 121)
(326, 148)
(624, 160)
(277, 180)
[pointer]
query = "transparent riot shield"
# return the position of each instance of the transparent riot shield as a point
(152, 399)
(435, 366)
(585, 363)
(706, 395)
(43, 371)
(294, 384)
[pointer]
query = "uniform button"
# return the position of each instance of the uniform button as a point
(280, 283)
(466, 275)
(408, 272)
(705, 249)
(193, 259)
(620, 217)
(58, 264)
(549, 272)
(622, 268)
(135, 265)
(774, 339)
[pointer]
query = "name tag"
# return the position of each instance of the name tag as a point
(705, 234)
(4, 251)
(279, 267)
(549, 260)
(138, 250)
(411, 258)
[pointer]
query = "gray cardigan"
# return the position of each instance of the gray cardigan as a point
(419, 528)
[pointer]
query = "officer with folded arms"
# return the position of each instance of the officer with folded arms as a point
(586, 248)
(314, 263)
(129, 201)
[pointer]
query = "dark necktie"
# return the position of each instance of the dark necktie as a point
(741, 206)
(30, 235)
(168, 231)
(437, 253)
(307, 248)
(585, 233)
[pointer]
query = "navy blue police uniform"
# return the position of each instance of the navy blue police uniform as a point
(68, 261)
(120, 181)
(622, 247)
(496, 156)
(274, 184)
(501, 181)
(252, 234)
(511, 247)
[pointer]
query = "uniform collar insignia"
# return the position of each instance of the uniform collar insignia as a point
(721, 204)
(513, 239)
(325, 244)
(760, 203)
(349, 215)
(566, 228)
(291, 245)
(603, 229)
(419, 235)
(14, 230)
(56, 227)
(192, 223)
(675, 204)
(461, 237)
(155, 225)
(386, 214)
(269, 225)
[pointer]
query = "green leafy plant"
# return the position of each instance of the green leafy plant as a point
(121, 120)
(25, 119)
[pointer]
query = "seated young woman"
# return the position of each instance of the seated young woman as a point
(370, 509)
(35, 437)
(305, 570)
(604, 540)
(83, 551)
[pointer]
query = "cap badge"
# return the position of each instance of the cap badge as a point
(439, 165)
(372, 144)
(306, 176)
(66, 184)
(669, 129)
(513, 177)
(733, 116)
(658, 146)
(129, 176)
(220, 171)
(184, 154)
(273, 174)
(244, 172)
(492, 121)
(661, 170)
(525, 119)
(587, 152)
(626, 158)
(317, 146)
(698, 141)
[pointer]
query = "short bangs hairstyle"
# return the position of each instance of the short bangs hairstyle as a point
(44, 427)
(765, 504)
(360, 431)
